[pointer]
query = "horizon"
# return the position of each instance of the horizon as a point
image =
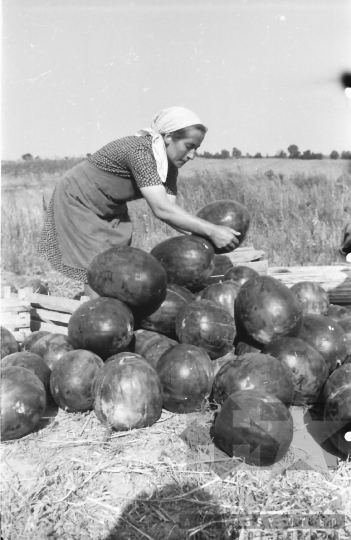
(261, 75)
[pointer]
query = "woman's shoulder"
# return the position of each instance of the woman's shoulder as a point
(131, 142)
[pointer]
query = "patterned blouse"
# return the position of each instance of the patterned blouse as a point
(133, 157)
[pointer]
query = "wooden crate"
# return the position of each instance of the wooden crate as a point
(27, 312)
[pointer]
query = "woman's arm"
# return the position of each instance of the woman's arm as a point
(171, 213)
(173, 199)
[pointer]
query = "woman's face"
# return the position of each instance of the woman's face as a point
(180, 151)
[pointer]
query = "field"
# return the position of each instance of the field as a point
(73, 479)
(298, 208)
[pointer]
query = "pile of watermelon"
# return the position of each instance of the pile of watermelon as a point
(165, 333)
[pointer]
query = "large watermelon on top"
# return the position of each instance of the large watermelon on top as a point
(129, 275)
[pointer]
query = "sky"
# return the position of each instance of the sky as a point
(260, 74)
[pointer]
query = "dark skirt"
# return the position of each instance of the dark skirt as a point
(49, 249)
(87, 214)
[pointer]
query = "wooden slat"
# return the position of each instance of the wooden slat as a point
(65, 305)
(336, 280)
(48, 327)
(260, 266)
(14, 304)
(245, 254)
(17, 320)
(48, 316)
(21, 334)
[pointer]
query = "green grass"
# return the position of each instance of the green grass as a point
(296, 216)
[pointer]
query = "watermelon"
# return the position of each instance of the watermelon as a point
(9, 343)
(307, 367)
(222, 265)
(188, 260)
(219, 362)
(127, 394)
(103, 326)
(327, 337)
(255, 426)
(227, 213)
(266, 309)
(345, 324)
(312, 297)
(71, 380)
(223, 294)
(337, 408)
(240, 274)
(32, 362)
(51, 347)
(338, 312)
(125, 357)
(206, 325)
(163, 319)
(253, 371)
(242, 347)
(340, 378)
(37, 286)
(23, 401)
(32, 338)
(151, 345)
(186, 376)
(130, 275)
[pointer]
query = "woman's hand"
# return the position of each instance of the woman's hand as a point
(224, 237)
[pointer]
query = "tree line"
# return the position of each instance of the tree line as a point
(293, 153)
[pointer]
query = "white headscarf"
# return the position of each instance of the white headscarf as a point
(167, 121)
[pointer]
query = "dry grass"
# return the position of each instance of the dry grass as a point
(72, 479)
(298, 208)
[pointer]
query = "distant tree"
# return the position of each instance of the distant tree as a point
(307, 155)
(345, 155)
(27, 157)
(258, 155)
(248, 155)
(319, 155)
(88, 155)
(37, 157)
(217, 155)
(293, 151)
(207, 155)
(334, 154)
(236, 153)
(225, 154)
(281, 154)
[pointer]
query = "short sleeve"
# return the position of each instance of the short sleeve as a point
(143, 167)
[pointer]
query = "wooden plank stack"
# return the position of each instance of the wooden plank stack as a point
(15, 314)
(27, 312)
(335, 279)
